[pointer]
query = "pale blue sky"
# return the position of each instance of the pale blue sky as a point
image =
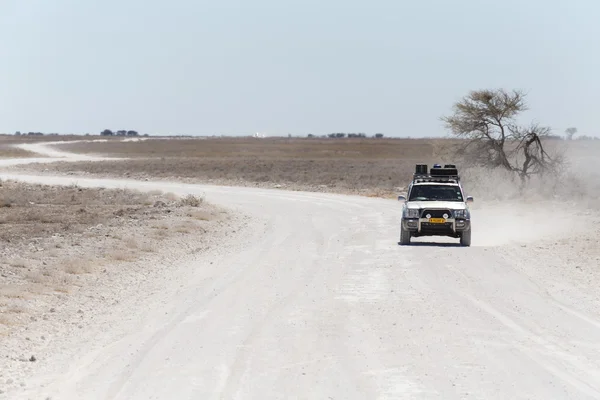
(278, 67)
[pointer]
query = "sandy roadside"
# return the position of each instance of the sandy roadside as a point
(61, 292)
(101, 297)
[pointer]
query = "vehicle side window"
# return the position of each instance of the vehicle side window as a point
(416, 192)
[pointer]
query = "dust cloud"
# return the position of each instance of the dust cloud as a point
(549, 207)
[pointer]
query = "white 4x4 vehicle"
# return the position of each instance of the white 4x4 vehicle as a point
(436, 206)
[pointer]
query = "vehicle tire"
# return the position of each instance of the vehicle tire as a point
(465, 238)
(404, 236)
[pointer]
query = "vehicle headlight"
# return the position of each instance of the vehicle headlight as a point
(411, 213)
(461, 214)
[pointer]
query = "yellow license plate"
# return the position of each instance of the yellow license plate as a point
(437, 220)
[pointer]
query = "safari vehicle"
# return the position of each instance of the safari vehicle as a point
(435, 205)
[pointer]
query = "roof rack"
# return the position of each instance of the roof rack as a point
(447, 174)
(435, 179)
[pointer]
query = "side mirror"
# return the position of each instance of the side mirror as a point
(401, 198)
(469, 199)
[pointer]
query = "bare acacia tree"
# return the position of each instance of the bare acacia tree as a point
(487, 119)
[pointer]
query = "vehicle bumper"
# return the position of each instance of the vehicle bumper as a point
(422, 227)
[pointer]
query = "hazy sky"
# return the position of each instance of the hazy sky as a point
(290, 66)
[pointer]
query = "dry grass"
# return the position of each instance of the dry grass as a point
(17, 263)
(375, 165)
(201, 215)
(121, 255)
(38, 277)
(6, 320)
(32, 211)
(383, 174)
(56, 239)
(147, 248)
(367, 166)
(14, 152)
(160, 231)
(13, 291)
(186, 226)
(17, 309)
(78, 266)
(269, 148)
(131, 243)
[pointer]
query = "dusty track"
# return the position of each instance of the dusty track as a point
(320, 302)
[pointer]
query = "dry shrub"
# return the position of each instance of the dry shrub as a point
(191, 201)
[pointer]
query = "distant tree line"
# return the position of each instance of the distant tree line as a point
(344, 135)
(123, 132)
(18, 133)
(106, 132)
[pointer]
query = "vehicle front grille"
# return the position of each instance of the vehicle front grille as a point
(434, 213)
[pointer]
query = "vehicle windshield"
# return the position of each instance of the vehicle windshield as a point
(435, 193)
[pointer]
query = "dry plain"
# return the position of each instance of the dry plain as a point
(364, 166)
(309, 293)
(360, 166)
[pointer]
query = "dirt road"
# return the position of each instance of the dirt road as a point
(320, 302)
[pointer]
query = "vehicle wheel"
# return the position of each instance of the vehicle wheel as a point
(465, 238)
(404, 236)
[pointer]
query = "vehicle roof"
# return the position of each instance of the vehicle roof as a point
(436, 183)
